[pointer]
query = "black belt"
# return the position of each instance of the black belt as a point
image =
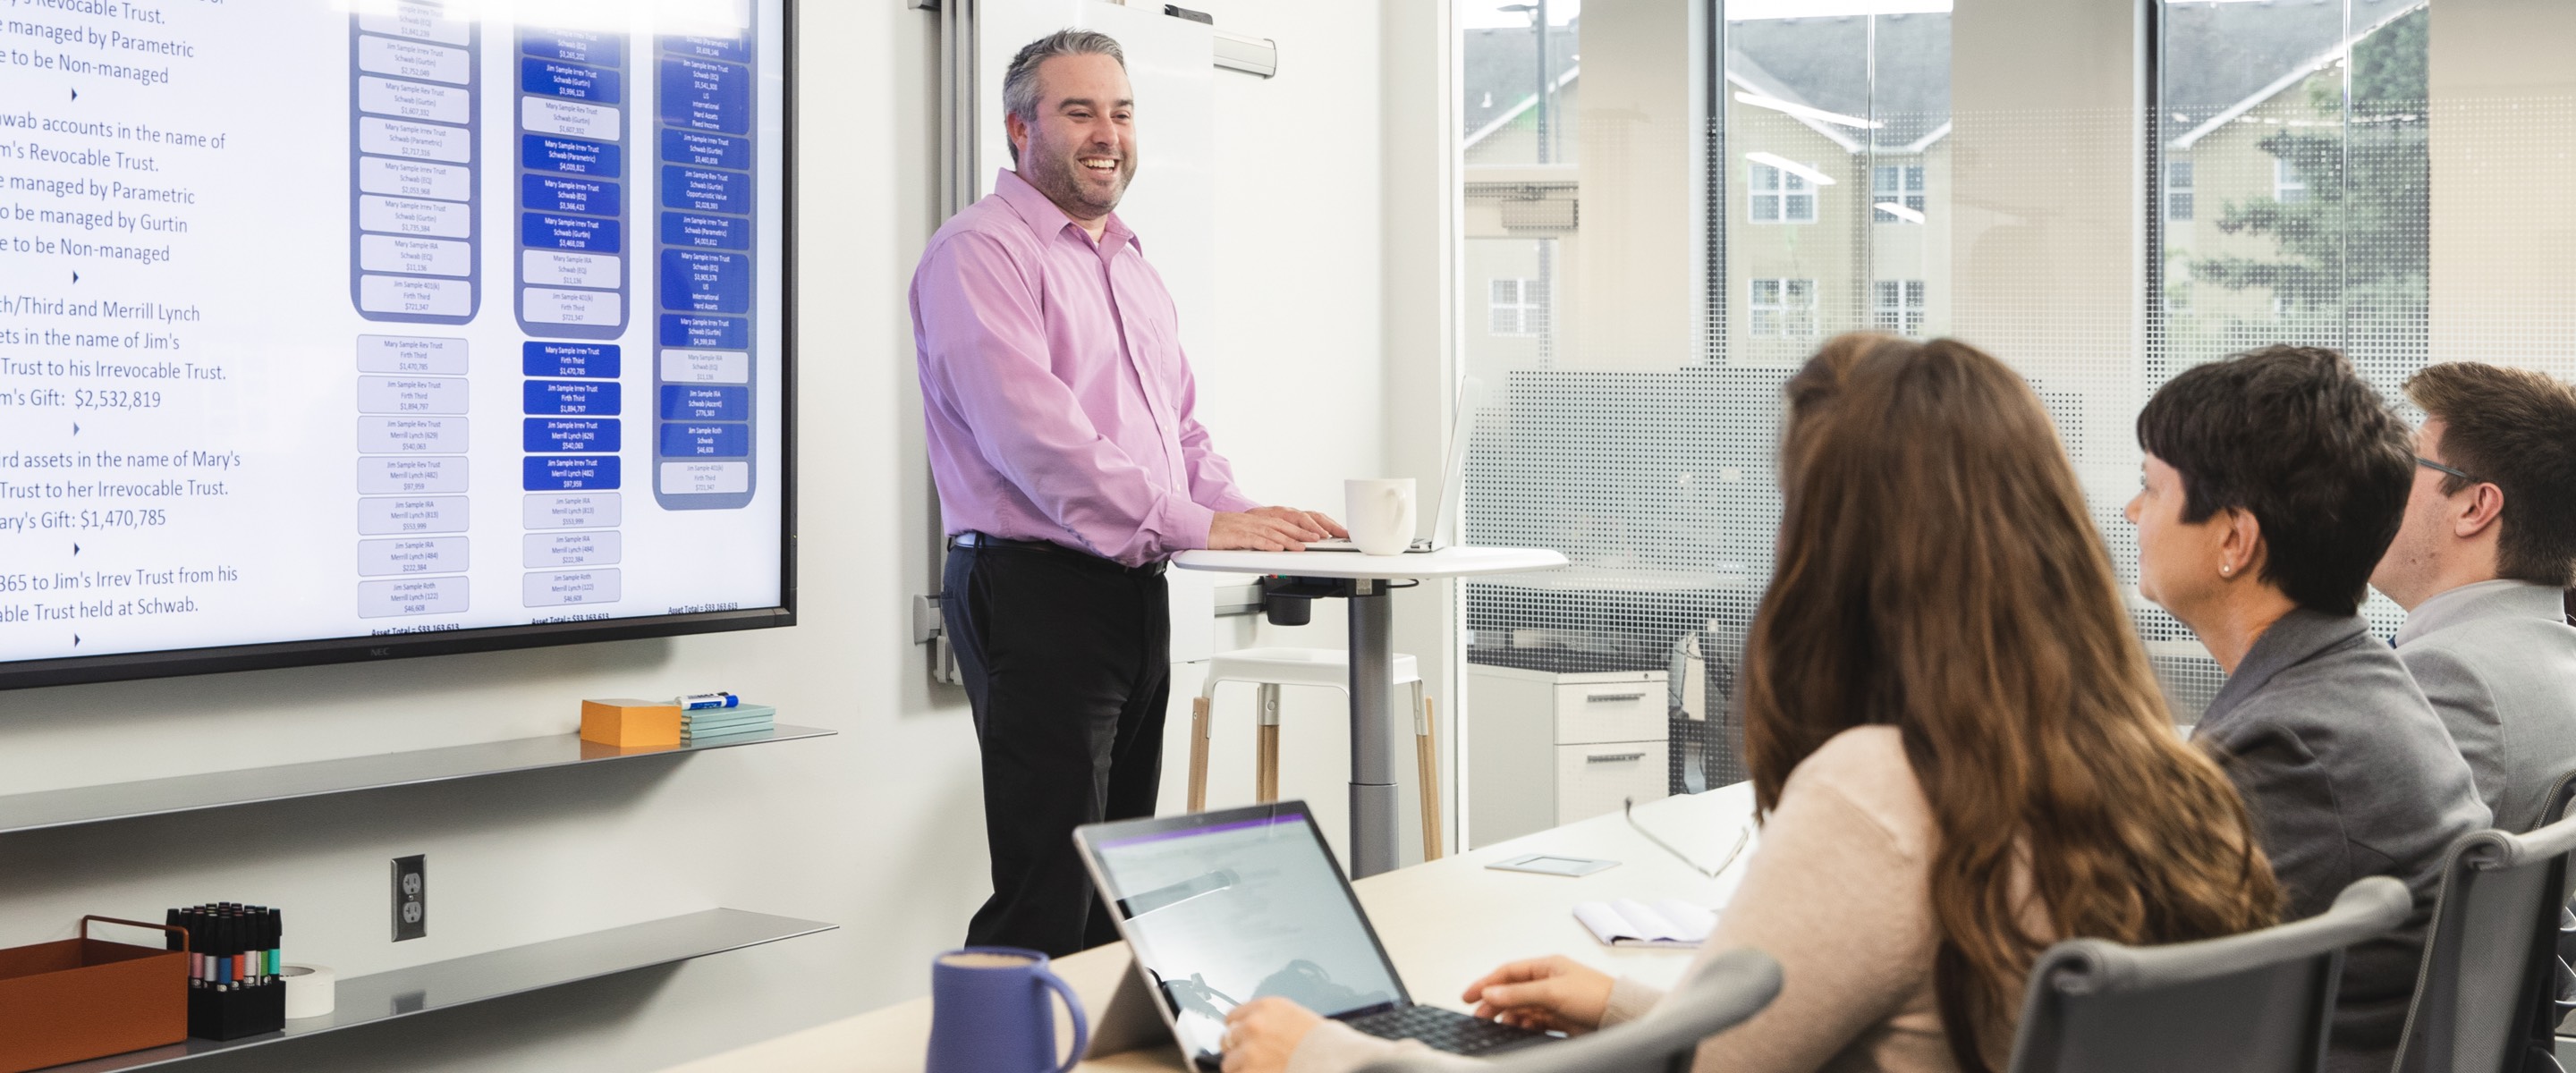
(973, 539)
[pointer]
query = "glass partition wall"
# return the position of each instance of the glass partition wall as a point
(1667, 205)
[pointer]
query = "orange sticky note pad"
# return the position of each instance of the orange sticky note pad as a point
(625, 722)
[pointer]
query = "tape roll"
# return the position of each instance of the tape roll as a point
(309, 989)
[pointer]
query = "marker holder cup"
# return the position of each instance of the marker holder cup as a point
(237, 1012)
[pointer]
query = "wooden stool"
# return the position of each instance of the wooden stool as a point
(1271, 668)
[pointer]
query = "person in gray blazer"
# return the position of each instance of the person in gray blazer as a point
(2273, 482)
(2481, 566)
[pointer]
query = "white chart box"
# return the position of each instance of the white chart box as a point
(587, 547)
(426, 20)
(569, 587)
(412, 555)
(386, 475)
(411, 354)
(411, 395)
(411, 435)
(413, 178)
(706, 366)
(412, 596)
(412, 216)
(415, 100)
(548, 116)
(418, 256)
(412, 59)
(395, 515)
(427, 296)
(545, 305)
(570, 510)
(559, 269)
(705, 478)
(416, 141)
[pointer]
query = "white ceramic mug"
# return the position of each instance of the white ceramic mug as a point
(1379, 514)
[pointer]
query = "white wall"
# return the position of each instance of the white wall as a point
(879, 829)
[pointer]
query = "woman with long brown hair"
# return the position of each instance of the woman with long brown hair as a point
(1957, 746)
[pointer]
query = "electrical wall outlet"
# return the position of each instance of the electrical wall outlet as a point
(411, 897)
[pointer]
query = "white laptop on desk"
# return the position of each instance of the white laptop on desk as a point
(1453, 482)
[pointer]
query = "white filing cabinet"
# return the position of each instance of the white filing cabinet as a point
(1549, 749)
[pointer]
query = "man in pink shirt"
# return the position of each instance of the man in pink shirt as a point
(1059, 411)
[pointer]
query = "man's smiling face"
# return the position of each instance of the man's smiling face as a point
(1080, 148)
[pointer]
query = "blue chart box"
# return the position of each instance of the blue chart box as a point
(572, 397)
(571, 156)
(567, 232)
(571, 81)
(708, 232)
(706, 282)
(569, 359)
(735, 49)
(704, 190)
(705, 402)
(575, 46)
(570, 472)
(706, 96)
(706, 441)
(570, 434)
(705, 333)
(705, 150)
(546, 193)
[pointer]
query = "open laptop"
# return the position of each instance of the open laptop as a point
(1220, 908)
(1453, 481)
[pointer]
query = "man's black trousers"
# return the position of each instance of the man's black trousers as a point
(1066, 658)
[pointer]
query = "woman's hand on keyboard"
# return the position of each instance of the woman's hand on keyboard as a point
(1550, 994)
(1262, 1033)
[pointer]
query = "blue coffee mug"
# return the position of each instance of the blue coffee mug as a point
(989, 1013)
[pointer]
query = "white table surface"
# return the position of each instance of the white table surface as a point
(1447, 562)
(1445, 923)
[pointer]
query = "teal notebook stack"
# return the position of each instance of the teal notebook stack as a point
(701, 726)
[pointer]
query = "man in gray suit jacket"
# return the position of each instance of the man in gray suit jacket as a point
(2480, 565)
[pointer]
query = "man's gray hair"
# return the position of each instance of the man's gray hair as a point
(1020, 81)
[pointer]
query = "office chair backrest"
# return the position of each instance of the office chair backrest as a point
(2484, 995)
(2257, 1001)
(1732, 987)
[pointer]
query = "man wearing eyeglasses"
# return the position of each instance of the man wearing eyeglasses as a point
(2481, 565)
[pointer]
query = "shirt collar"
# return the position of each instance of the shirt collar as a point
(2501, 598)
(2298, 637)
(1044, 217)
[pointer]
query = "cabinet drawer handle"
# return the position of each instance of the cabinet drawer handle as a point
(1611, 758)
(1606, 698)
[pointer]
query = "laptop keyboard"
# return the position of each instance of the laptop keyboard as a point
(1443, 1030)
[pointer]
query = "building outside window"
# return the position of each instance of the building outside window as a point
(1897, 186)
(1781, 196)
(2289, 185)
(1782, 308)
(1897, 306)
(2178, 192)
(1516, 307)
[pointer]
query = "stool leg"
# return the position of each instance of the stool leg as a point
(1198, 753)
(1265, 777)
(1426, 751)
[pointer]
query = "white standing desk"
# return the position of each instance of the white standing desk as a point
(1363, 580)
(1445, 923)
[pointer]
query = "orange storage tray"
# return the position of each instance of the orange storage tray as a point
(84, 998)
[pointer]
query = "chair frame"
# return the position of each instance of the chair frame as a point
(2447, 1029)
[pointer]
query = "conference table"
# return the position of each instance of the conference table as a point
(1444, 923)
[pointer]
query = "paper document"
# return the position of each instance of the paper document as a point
(1667, 923)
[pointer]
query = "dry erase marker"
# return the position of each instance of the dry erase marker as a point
(696, 701)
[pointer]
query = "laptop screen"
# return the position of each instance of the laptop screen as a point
(1226, 907)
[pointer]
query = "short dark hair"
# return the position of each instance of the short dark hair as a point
(1020, 79)
(2293, 435)
(2515, 429)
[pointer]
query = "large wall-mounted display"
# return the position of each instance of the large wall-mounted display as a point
(337, 330)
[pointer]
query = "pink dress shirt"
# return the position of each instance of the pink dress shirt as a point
(1058, 404)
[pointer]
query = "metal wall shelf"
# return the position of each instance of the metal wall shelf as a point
(223, 789)
(443, 985)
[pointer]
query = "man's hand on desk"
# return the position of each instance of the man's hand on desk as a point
(1270, 529)
(1553, 994)
(1262, 1033)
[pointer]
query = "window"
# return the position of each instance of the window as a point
(1896, 305)
(2289, 187)
(1516, 307)
(2178, 206)
(1782, 308)
(1781, 196)
(1895, 187)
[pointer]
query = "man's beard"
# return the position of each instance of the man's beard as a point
(1063, 181)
